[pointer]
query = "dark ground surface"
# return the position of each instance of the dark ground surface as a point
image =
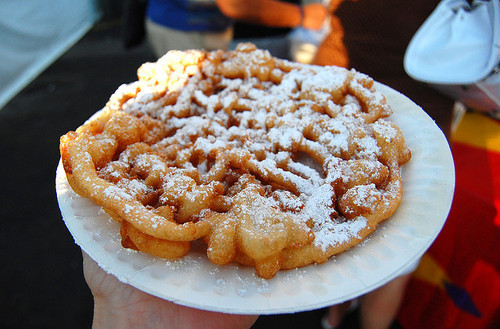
(42, 284)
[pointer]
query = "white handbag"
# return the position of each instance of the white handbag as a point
(457, 52)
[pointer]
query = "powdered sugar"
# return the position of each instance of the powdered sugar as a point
(268, 111)
(334, 233)
(117, 193)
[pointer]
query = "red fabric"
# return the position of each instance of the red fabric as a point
(466, 253)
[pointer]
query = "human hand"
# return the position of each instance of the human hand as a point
(314, 16)
(119, 305)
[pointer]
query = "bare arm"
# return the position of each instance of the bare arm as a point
(274, 13)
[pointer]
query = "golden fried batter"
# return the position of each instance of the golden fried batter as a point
(272, 164)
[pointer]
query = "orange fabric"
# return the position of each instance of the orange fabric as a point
(457, 284)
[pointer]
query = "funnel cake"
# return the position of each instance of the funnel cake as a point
(269, 163)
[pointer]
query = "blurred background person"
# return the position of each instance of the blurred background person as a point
(209, 24)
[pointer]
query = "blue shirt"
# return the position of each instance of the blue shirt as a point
(188, 15)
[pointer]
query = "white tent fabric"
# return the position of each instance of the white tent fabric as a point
(34, 33)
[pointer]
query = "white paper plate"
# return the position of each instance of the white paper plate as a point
(428, 183)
